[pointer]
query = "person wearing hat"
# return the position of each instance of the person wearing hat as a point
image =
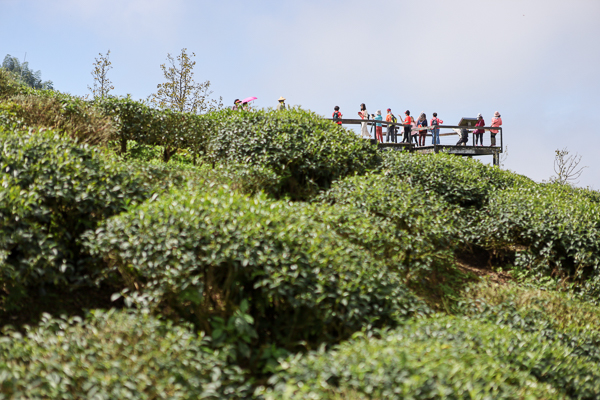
(281, 105)
(479, 132)
(391, 129)
(236, 105)
(496, 121)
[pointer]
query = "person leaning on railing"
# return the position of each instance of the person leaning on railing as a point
(496, 121)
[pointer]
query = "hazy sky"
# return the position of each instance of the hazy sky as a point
(537, 62)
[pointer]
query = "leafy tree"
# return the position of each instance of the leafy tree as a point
(102, 85)
(181, 92)
(27, 76)
(567, 167)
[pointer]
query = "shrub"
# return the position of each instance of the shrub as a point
(9, 84)
(73, 116)
(114, 355)
(52, 191)
(445, 357)
(458, 180)
(139, 122)
(304, 151)
(412, 229)
(202, 254)
(549, 229)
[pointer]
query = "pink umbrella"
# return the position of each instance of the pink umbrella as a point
(248, 99)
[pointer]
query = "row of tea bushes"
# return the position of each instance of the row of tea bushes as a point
(52, 190)
(547, 229)
(441, 358)
(202, 254)
(458, 180)
(115, 355)
(414, 230)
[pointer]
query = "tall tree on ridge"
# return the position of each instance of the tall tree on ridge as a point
(102, 85)
(181, 92)
(27, 76)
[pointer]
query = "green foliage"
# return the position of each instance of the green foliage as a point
(412, 230)
(444, 357)
(29, 77)
(457, 180)
(112, 355)
(102, 84)
(73, 116)
(299, 150)
(52, 191)
(202, 254)
(549, 229)
(9, 84)
(181, 92)
(145, 125)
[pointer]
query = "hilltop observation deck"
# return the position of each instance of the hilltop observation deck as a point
(467, 150)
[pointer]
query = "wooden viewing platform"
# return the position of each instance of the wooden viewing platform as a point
(468, 150)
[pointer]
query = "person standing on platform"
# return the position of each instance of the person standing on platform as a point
(479, 132)
(364, 114)
(337, 115)
(496, 121)
(237, 105)
(391, 129)
(414, 131)
(422, 124)
(407, 121)
(435, 131)
(379, 127)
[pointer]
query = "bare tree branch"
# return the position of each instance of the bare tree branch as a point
(566, 167)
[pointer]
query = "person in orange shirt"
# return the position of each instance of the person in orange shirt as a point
(407, 121)
(337, 115)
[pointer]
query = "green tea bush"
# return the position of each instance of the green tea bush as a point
(304, 151)
(414, 230)
(136, 121)
(9, 84)
(551, 229)
(458, 180)
(202, 254)
(73, 116)
(114, 355)
(52, 190)
(445, 358)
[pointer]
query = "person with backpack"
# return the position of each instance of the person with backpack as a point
(337, 115)
(479, 132)
(408, 121)
(391, 129)
(422, 124)
(435, 131)
(496, 121)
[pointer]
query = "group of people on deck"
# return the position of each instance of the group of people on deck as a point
(416, 130)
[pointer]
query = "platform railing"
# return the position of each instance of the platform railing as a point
(372, 122)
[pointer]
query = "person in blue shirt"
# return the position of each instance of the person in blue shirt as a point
(378, 127)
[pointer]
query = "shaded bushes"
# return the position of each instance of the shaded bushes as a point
(52, 191)
(445, 357)
(304, 152)
(114, 355)
(202, 255)
(549, 229)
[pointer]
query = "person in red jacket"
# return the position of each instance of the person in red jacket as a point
(479, 132)
(337, 115)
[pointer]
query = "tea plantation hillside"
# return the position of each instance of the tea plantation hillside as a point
(150, 254)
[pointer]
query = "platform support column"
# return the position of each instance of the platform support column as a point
(496, 159)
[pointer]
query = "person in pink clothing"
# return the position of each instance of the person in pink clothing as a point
(496, 121)
(479, 132)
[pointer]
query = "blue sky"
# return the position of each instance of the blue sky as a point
(537, 62)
